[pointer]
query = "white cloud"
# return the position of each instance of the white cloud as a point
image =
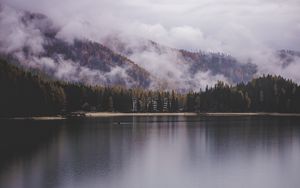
(14, 35)
(207, 23)
(245, 29)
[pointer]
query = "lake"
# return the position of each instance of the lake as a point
(151, 152)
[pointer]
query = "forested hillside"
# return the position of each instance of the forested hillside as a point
(197, 62)
(80, 60)
(27, 93)
(264, 94)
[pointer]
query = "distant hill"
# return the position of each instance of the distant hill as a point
(111, 63)
(287, 57)
(98, 57)
(140, 63)
(217, 63)
(100, 64)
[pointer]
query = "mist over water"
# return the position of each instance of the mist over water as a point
(134, 152)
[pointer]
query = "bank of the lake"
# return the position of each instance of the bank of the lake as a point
(250, 114)
(119, 114)
(116, 114)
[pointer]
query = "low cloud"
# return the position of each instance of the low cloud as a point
(209, 25)
(25, 41)
(170, 69)
(15, 35)
(70, 71)
(250, 31)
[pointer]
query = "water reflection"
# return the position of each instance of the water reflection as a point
(135, 152)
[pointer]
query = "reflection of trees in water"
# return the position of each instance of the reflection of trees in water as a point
(224, 137)
(19, 139)
(46, 155)
(51, 154)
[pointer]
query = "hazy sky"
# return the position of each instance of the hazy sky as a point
(210, 25)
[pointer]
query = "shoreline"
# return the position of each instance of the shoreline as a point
(213, 114)
(119, 114)
(40, 118)
(235, 114)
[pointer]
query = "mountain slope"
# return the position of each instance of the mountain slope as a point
(98, 57)
(117, 60)
(78, 61)
(219, 63)
(197, 62)
(287, 57)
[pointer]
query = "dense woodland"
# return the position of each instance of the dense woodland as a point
(27, 93)
(264, 94)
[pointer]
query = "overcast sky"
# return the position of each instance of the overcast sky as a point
(210, 25)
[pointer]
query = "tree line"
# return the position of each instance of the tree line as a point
(264, 94)
(28, 93)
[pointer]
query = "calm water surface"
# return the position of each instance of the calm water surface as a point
(151, 152)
